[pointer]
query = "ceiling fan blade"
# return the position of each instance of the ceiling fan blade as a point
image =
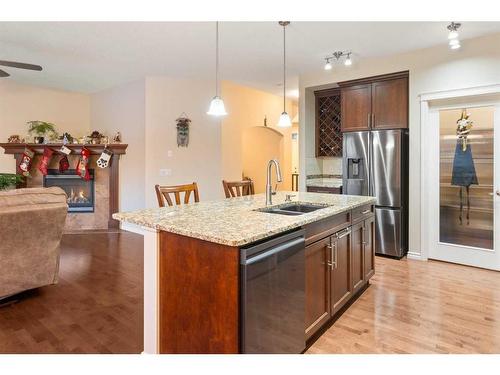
(14, 64)
(3, 74)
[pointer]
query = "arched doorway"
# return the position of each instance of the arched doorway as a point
(259, 145)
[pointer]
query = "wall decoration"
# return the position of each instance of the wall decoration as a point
(183, 130)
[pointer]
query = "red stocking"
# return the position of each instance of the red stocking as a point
(44, 163)
(82, 169)
(26, 161)
(63, 164)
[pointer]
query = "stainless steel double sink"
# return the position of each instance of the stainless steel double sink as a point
(293, 209)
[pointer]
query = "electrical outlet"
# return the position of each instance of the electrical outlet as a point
(165, 172)
(169, 153)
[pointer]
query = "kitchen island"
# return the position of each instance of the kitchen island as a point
(194, 292)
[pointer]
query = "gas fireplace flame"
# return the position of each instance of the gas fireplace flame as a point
(77, 197)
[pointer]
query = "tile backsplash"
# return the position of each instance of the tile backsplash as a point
(332, 166)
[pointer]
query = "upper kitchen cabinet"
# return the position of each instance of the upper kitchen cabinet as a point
(356, 107)
(328, 118)
(373, 103)
(390, 104)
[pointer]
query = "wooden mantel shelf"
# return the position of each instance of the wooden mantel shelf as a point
(18, 148)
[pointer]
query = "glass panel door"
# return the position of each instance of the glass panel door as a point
(466, 199)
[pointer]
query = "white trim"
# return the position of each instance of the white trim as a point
(478, 95)
(134, 228)
(415, 256)
(151, 290)
(458, 93)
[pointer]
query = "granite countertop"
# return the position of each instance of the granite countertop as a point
(329, 182)
(234, 221)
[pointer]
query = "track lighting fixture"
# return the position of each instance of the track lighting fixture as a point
(453, 27)
(337, 56)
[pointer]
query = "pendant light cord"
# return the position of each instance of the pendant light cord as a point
(284, 68)
(217, 58)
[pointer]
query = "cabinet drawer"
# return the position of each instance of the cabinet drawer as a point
(362, 212)
(321, 229)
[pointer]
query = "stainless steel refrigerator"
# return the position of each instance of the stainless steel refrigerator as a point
(376, 163)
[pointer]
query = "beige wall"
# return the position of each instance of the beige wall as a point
(123, 109)
(261, 144)
(247, 108)
(166, 99)
(20, 103)
(432, 69)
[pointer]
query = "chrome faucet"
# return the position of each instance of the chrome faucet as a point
(269, 189)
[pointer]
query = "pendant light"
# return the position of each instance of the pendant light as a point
(217, 105)
(284, 121)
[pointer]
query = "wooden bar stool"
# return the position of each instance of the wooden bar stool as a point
(238, 188)
(163, 193)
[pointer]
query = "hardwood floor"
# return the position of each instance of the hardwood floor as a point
(411, 306)
(97, 307)
(420, 307)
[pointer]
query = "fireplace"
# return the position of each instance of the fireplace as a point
(81, 195)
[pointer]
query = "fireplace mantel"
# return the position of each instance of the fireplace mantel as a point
(118, 149)
(76, 148)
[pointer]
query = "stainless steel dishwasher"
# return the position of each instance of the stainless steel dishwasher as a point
(273, 295)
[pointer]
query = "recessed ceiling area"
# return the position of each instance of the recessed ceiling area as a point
(92, 56)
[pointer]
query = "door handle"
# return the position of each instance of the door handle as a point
(369, 117)
(333, 255)
(373, 119)
(344, 233)
(498, 193)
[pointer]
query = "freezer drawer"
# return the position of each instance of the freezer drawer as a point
(388, 232)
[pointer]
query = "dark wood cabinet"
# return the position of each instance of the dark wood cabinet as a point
(390, 104)
(369, 247)
(326, 190)
(357, 254)
(341, 288)
(356, 107)
(373, 103)
(317, 285)
(328, 119)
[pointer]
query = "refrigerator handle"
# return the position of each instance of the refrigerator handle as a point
(369, 180)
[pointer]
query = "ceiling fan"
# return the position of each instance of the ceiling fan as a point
(13, 64)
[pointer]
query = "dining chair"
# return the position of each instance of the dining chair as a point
(238, 188)
(163, 194)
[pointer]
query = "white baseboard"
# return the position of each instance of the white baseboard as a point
(415, 256)
(132, 228)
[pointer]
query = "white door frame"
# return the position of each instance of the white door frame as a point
(485, 95)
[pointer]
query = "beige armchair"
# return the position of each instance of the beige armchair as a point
(31, 227)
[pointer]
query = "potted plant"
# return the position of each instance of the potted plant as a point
(9, 180)
(41, 129)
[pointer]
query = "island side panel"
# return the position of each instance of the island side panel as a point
(198, 295)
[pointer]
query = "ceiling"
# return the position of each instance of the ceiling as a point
(92, 56)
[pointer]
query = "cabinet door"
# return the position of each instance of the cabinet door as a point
(317, 285)
(357, 253)
(390, 104)
(356, 107)
(369, 248)
(341, 287)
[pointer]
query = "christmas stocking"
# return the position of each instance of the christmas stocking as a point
(63, 164)
(63, 161)
(44, 163)
(82, 168)
(26, 162)
(103, 161)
